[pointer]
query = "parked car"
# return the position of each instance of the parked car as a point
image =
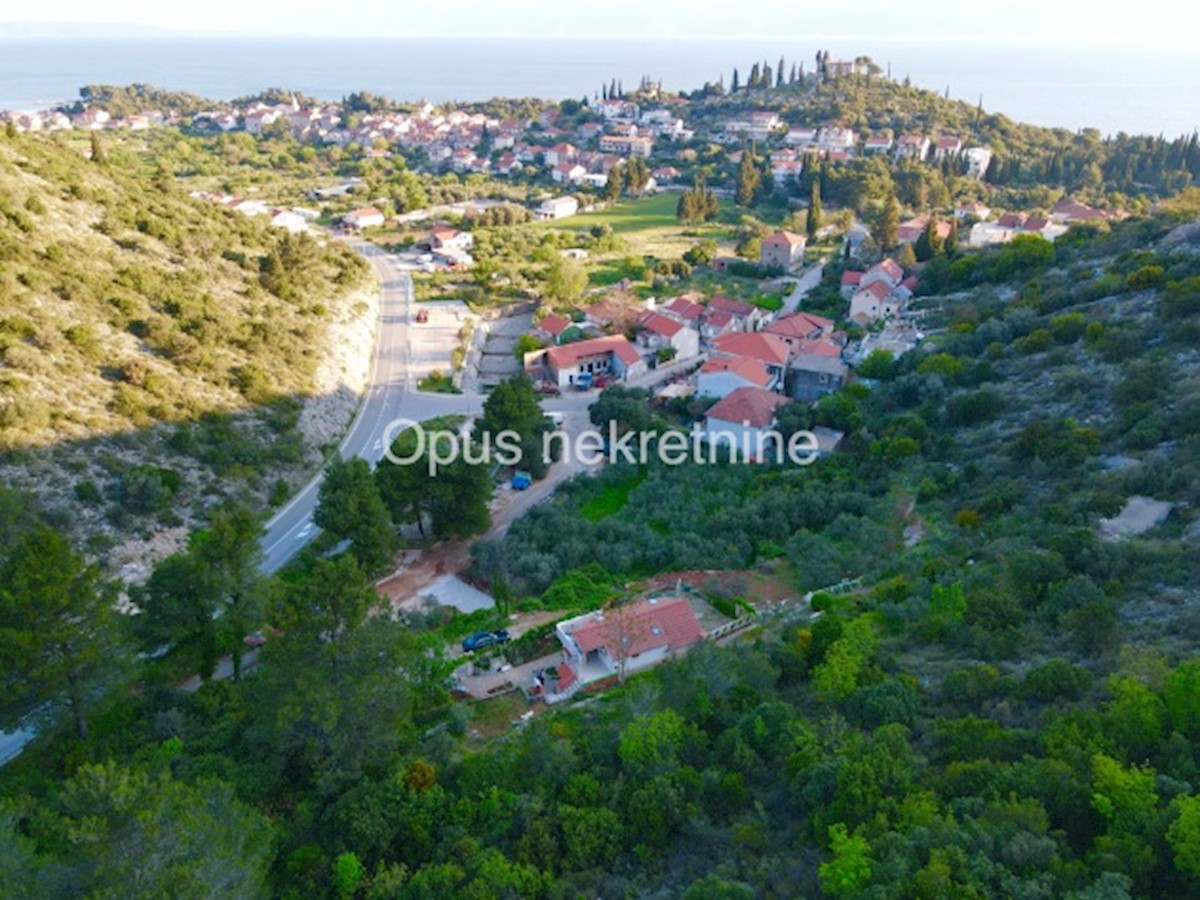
(482, 639)
(422, 315)
(257, 639)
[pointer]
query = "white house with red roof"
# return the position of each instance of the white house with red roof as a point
(912, 146)
(686, 308)
(568, 173)
(579, 363)
(799, 326)
(782, 250)
(367, 217)
(743, 421)
(947, 146)
(552, 326)
(850, 282)
(878, 143)
(719, 378)
(659, 332)
(747, 316)
(604, 644)
(561, 153)
(443, 237)
(769, 349)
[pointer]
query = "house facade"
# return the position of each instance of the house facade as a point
(743, 421)
(782, 250)
(579, 363)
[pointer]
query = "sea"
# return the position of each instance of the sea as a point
(1138, 89)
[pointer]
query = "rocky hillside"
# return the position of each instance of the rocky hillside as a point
(126, 305)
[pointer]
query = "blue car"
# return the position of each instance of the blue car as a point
(481, 639)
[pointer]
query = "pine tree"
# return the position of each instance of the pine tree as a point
(813, 223)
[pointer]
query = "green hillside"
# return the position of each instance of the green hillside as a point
(125, 304)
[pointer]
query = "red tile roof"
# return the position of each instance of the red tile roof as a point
(768, 348)
(567, 355)
(729, 305)
(888, 267)
(566, 676)
(554, 324)
(851, 279)
(750, 405)
(878, 289)
(784, 239)
(636, 628)
(719, 318)
(799, 325)
(661, 324)
(683, 307)
(751, 370)
(820, 347)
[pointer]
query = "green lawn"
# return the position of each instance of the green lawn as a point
(612, 498)
(628, 216)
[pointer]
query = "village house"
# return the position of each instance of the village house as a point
(557, 208)
(658, 332)
(686, 308)
(579, 363)
(800, 137)
(769, 349)
(718, 378)
(568, 173)
(881, 293)
(743, 421)
(757, 125)
(972, 210)
(560, 153)
(878, 143)
(785, 170)
(1067, 211)
(834, 138)
(799, 326)
(912, 146)
(816, 369)
(442, 237)
(606, 644)
(367, 217)
(911, 229)
(627, 146)
(551, 327)
(946, 146)
(746, 316)
(782, 250)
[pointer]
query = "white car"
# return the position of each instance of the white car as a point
(425, 258)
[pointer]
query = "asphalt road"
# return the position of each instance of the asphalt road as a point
(391, 395)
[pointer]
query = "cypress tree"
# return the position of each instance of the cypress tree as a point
(779, 74)
(99, 156)
(748, 179)
(813, 223)
(733, 85)
(888, 232)
(755, 79)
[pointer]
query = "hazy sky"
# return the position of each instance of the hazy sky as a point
(1038, 21)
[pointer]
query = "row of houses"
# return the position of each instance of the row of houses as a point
(1009, 225)
(837, 143)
